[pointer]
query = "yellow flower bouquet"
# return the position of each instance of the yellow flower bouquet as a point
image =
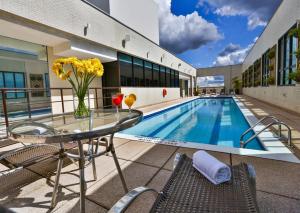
(80, 74)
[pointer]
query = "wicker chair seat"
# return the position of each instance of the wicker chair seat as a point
(189, 191)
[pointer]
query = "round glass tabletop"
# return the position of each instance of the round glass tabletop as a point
(65, 127)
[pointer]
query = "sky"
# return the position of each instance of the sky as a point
(208, 33)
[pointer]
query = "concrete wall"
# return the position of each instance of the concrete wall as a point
(148, 96)
(229, 72)
(69, 17)
(286, 97)
(140, 15)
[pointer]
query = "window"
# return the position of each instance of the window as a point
(126, 70)
(176, 79)
(265, 69)
(148, 73)
(13, 80)
(168, 77)
(155, 82)
(47, 84)
(286, 58)
(138, 72)
(162, 76)
(172, 78)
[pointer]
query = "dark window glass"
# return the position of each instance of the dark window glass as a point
(286, 58)
(168, 77)
(162, 76)
(20, 83)
(155, 82)
(148, 74)
(172, 78)
(126, 70)
(176, 79)
(47, 84)
(265, 69)
(138, 72)
(9, 83)
(12, 80)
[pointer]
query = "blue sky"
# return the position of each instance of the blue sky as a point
(209, 33)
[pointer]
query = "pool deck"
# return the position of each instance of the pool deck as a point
(148, 164)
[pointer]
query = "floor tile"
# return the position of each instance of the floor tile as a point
(109, 190)
(271, 203)
(157, 155)
(70, 174)
(274, 176)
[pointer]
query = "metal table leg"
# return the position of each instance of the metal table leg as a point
(55, 188)
(82, 178)
(113, 152)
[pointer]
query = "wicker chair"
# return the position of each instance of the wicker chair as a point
(189, 191)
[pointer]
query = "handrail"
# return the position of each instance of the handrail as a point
(274, 122)
(258, 122)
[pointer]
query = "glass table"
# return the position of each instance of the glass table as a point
(65, 128)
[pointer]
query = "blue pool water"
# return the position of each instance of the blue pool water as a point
(215, 121)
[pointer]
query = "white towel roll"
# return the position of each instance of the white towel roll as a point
(213, 169)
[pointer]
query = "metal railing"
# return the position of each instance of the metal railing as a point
(27, 101)
(268, 121)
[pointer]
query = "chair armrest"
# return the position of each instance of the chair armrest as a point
(127, 199)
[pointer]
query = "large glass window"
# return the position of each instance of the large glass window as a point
(126, 70)
(168, 77)
(155, 82)
(12, 80)
(172, 78)
(265, 69)
(148, 73)
(176, 79)
(162, 76)
(138, 72)
(287, 59)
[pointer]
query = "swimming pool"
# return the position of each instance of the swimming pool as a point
(214, 121)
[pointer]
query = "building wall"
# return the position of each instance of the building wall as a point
(69, 17)
(148, 96)
(140, 15)
(229, 72)
(285, 97)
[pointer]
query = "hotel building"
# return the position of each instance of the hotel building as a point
(124, 35)
(267, 67)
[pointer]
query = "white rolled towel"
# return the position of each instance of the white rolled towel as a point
(213, 169)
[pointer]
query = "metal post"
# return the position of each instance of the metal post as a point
(62, 100)
(289, 137)
(113, 152)
(58, 172)
(279, 130)
(82, 178)
(5, 110)
(96, 97)
(28, 103)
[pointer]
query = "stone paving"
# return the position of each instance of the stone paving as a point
(147, 164)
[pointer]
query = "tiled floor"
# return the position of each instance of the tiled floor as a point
(147, 164)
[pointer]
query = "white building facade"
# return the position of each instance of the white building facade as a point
(124, 35)
(267, 67)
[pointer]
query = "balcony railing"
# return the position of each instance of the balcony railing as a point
(23, 103)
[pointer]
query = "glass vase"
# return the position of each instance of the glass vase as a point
(82, 111)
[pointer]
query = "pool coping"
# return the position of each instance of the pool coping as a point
(275, 149)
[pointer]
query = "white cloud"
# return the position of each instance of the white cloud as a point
(236, 56)
(257, 11)
(181, 33)
(210, 81)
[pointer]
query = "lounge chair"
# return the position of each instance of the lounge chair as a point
(189, 191)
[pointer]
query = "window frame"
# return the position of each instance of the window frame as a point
(15, 94)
